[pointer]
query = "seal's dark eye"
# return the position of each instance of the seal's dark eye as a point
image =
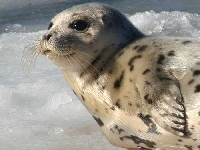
(79, 25)
(50, 25)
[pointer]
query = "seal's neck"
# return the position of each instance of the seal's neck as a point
(90, 68)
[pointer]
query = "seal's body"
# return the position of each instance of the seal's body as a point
(142, 91)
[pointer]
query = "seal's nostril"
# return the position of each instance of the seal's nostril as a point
(48, 37)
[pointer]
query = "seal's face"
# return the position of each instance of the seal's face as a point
(83, 32)
(71, 32)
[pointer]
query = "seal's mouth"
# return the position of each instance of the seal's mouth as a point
(44, 52)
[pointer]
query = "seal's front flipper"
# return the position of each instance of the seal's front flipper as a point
(168, 109)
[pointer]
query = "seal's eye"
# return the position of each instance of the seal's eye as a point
(79, 25)
(50, 25)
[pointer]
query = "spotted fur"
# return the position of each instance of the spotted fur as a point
(119, 81)
(142, 91)
(99, 121)
(131, 61)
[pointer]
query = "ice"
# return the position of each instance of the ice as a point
(168, 23)
(38, 110)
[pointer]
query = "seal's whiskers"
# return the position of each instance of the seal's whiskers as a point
(80, 55)
(29, 57)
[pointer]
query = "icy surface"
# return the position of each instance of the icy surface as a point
(38, 111)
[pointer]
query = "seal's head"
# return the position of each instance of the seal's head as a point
(79, 35)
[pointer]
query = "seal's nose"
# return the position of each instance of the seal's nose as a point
(47, 37)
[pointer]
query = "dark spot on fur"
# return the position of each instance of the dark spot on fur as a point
(96, 60)
(147, 120)
(98, 120)
(194, 139)
(192, 128)
(180, 140)
(138, 140)
(131, 68)
(131, 61)
(118, 103)
(149, 100)
(110, 71)
(158, 69)
(191, 81)
(112, 130)
(101, 69)
(171, 53)
(189, 147)
(118, 129)
(130, 104)
(160, 59)
(146, 97)
(197, 88)
(186, 42)
(120, 53)
(196, 73)
(113, 108)
(83, 98)
(96, 76)
(148, 83)
(118, 81)
(136, 47)
(137, 105)
(140, 48)
(146, 71)
(121, 138)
